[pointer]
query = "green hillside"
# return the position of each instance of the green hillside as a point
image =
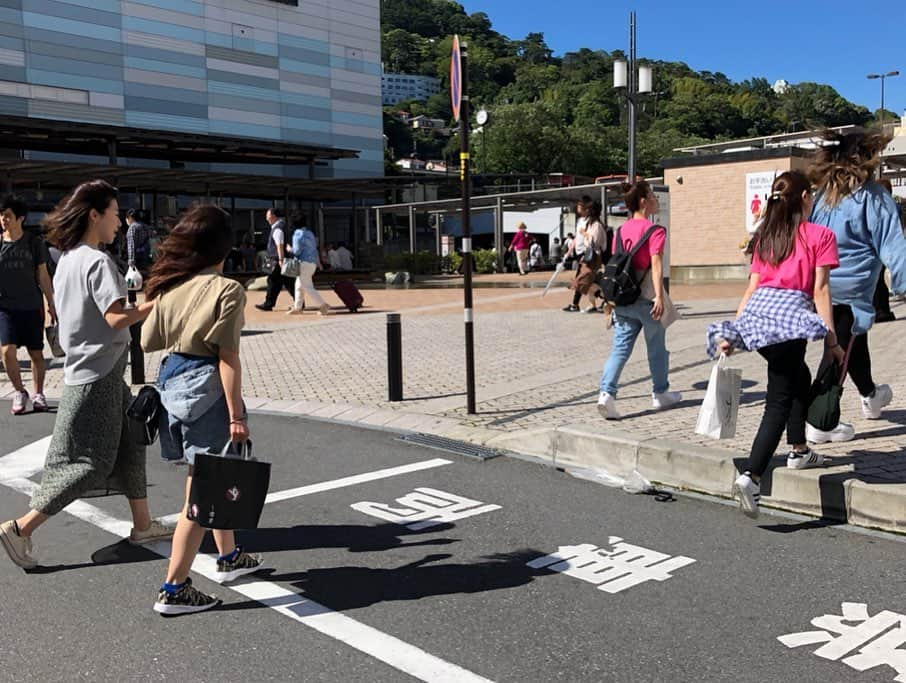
(562, 114)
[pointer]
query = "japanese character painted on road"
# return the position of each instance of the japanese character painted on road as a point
(615, 570)
(878, 639)
(425, 508)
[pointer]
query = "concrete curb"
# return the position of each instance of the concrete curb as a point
(832, 493)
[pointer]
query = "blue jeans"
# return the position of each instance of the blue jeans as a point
(628, 321)
(195, 418)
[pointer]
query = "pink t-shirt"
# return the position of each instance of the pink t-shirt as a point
(816, 246)
(631, 232)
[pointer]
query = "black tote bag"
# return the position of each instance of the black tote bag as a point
(228, 492)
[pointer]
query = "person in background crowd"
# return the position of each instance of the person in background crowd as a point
(91, 448)
(786, 305)
(520, 245)
(866, 222)
(881, 300)
(343, 257)
(24, 277)
(536, 256)
(646, 313)
(569, 251)
(591, 230)
(198, 317)
(276, 253)
(332, 257)
(138, 240)
(249, 255)
(305, 249)
(556, 252)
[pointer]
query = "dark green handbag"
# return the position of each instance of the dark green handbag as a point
(827, 389)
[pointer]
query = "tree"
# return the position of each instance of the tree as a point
(402, 51)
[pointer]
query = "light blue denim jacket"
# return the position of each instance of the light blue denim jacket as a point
(869, 234)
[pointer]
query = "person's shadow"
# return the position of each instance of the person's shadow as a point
(350, 587)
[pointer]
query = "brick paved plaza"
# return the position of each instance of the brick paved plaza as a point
(537, 367)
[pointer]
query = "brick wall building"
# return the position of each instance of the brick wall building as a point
(708, 204)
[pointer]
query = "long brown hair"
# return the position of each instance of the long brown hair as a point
(592, 209)
(67, 223)
(202, 239)
(776, 235)
(845, 163)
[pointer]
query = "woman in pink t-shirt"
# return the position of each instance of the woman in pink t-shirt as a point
(645, 314)
(789, 281)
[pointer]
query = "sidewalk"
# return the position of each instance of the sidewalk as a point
(537, 372)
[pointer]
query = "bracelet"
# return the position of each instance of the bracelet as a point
(241, 420)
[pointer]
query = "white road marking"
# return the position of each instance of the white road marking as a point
(382, 646)
(356, 479)
(614, 570)
(869, 641)
(424, 508)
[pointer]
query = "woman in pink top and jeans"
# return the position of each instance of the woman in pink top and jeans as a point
(789, 281)
(520, 245)
(643, 315)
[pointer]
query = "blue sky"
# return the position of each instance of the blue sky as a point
(832, 42)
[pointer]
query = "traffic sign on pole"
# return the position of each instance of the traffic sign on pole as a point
(456, 78)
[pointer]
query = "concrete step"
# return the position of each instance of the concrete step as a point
(839, 493)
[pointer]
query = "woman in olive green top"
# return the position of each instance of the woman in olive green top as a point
(197, 317)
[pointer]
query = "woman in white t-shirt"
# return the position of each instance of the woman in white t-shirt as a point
(91, 449)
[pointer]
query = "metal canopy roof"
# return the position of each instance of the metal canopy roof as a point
(54, 175)
(69, 137)
(528, 199)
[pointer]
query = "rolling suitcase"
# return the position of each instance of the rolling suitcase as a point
(349, 294)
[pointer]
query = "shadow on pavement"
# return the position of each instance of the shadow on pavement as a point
(353, 537)
(121, 552)
(349, 588)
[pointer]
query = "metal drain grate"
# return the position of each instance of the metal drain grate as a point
(469, 450)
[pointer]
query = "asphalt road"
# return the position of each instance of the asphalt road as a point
(354, 597)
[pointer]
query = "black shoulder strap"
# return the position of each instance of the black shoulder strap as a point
(648, 233)
(619, 244)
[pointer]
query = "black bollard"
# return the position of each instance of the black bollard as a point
(136, 354)
(394, 357)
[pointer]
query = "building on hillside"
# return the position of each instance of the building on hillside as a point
(243, 100)
(396, 88)
(423, 122)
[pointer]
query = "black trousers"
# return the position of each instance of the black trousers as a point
(786, 405)
(275, 283)
(859, 368)
(882, 296)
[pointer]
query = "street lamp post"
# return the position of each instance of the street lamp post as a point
(882, 77)
(635, 83)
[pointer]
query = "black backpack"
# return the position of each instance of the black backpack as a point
(619, 284)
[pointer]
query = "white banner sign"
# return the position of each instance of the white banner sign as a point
(758, 187)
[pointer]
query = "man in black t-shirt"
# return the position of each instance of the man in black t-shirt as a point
(23, 278)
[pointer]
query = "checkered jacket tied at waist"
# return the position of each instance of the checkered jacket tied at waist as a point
(771, 316)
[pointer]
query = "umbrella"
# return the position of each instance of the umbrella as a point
(550, 282)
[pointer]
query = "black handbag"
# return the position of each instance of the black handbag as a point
(826, 391)
(228, 492)
(143, 414)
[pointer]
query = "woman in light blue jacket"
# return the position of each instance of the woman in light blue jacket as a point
(305, 249)
(865, 220)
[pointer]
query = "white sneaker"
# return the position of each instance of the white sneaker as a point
(872, 405)
(668, 399)
(20, 403)
(842, 432)
(748, 493)
(804, 461)
(325, 309)
(156, 532)
(607, 406)
(17, 547)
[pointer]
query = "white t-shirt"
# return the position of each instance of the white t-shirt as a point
(579, 239)
(87, 283)
(344, 259)
(334, 259)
